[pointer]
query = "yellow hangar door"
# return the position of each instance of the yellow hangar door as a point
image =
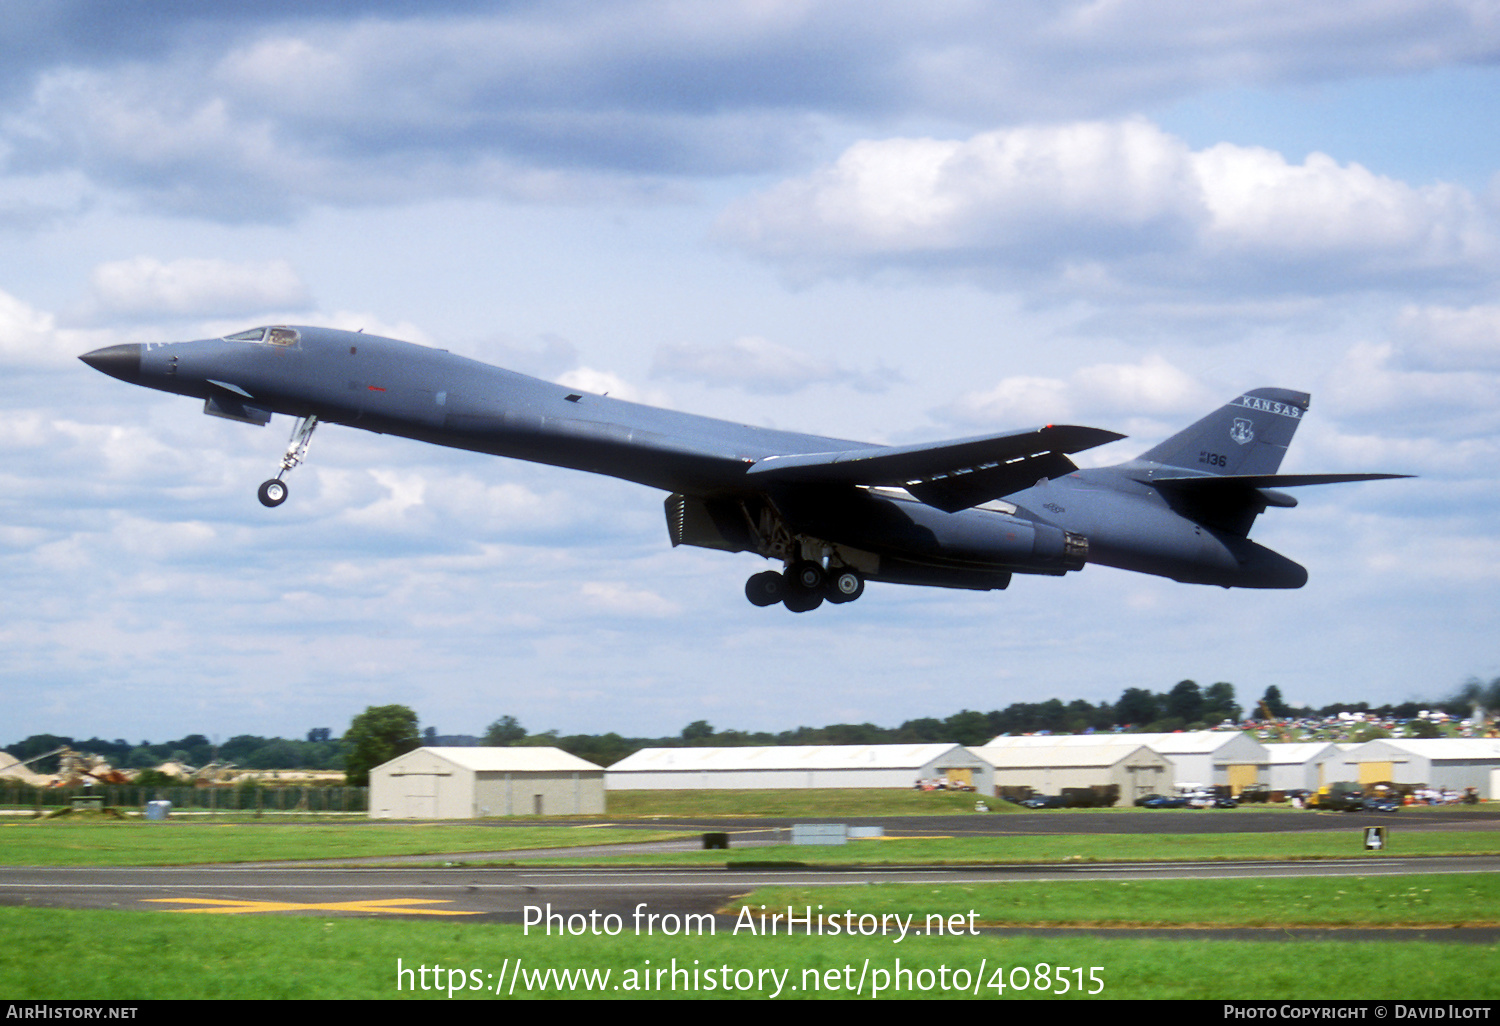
(1240, 777)
(1375, 772)
(961, 775)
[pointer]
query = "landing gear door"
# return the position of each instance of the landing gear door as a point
(231, 408)
(709, 524)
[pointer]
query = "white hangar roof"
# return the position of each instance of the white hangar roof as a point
(506, 760)
(1300, 751)
(789, 757)
(1185, 742)
(1439, 749)
(1104, 753)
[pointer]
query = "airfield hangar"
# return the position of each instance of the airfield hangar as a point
(1304, 765)
(1199, 758)
(1110, 762)
(1450, 763)
(799, 766)
(468, 783)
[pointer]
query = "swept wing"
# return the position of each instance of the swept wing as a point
(950, 475)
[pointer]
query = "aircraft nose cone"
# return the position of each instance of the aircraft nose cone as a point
(123, 362)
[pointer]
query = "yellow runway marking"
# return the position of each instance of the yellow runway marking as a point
(388, 905)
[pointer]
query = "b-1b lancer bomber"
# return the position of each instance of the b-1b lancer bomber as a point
(967, 513)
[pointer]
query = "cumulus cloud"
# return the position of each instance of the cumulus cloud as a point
(761, 366)
(603, 382)
(145, 287)
(1375, 381)
(24, 331)
(1152, 388)
(1096, 204)
(253, 113)
(1451, 338)
(619, 599)
(403, 492)
(31, 338)
(1432, 456)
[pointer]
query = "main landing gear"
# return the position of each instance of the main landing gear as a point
(804, 586)
(273, 492)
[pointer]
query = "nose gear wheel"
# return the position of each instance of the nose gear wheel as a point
(273, 492)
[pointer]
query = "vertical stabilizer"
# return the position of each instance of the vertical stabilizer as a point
(1246, 436)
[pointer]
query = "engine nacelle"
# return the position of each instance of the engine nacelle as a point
(904, 527)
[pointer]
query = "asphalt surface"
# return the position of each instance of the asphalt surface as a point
(1065, 821)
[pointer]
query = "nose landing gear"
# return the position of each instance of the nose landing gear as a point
(804, 586)
(273, 492)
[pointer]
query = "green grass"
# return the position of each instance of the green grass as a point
(93, 842)
(79, 842)
(60, 954)
(1074, 848)
(1438, 899)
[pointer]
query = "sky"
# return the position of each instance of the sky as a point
(871, 220)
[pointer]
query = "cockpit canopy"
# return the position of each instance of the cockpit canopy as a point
(278, 336)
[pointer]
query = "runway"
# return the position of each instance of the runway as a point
(1178, 821)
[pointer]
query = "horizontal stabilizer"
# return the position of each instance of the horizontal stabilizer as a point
(1270, 480)
(1231, 502)
(950, 475)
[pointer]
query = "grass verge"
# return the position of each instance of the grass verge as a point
(78, 842)
(71, 842)
(1426, 900)
(1075, 848)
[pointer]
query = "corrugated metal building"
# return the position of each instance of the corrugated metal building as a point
(1133, 768)
(469, 783)
(798, 766)
(1453, 763)
(1304, 765)
(1205, 758)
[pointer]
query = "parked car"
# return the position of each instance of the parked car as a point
(1164, 801)
(1045, 801)
(1342, 801)
(1211, 800)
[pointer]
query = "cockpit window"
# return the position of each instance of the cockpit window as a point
(272, 336)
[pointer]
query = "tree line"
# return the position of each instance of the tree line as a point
(381, 733)
(318, 750)
(1185, 706)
